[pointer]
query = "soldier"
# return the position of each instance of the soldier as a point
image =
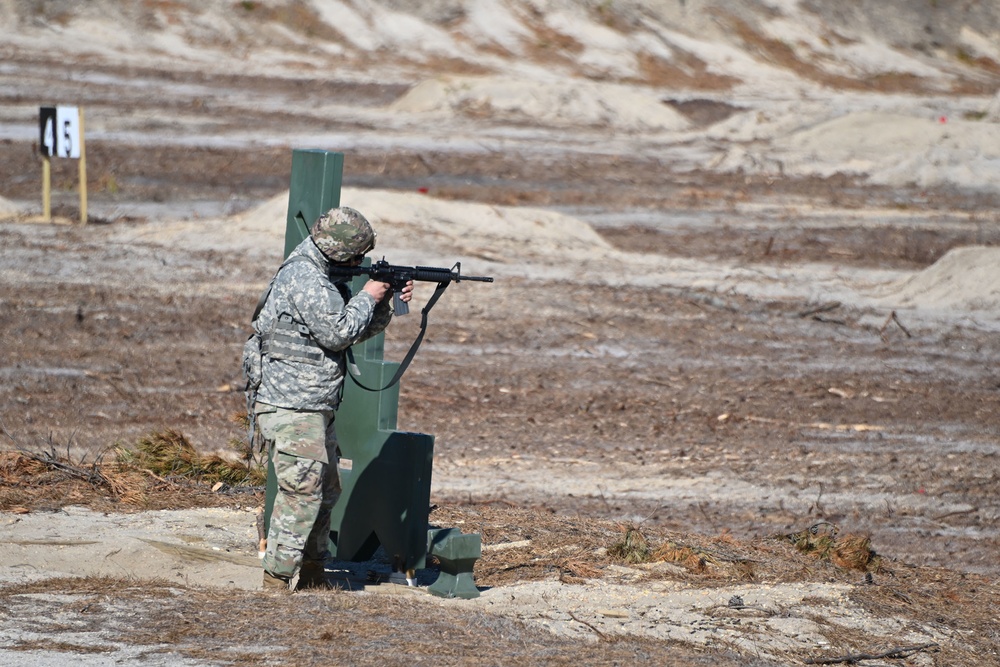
(305, 324)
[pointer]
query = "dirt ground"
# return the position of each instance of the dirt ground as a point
(806, 410)
(680, 410)
(562, 410)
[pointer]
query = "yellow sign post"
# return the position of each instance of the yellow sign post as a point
(83, 175)
(47, 188)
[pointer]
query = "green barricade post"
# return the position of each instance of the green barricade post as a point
(385, 473)
(314, 188)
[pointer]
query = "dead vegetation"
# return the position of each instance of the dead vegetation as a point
(853, 552)
(162, 470)
(524, 544)
(170, 454)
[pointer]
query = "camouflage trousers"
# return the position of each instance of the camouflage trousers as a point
(302, 447)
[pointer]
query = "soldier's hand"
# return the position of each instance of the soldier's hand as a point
(407, 292)
(376, 289)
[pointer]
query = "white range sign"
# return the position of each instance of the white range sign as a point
(60, 127)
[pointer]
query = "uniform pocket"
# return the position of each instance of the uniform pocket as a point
(298, 433)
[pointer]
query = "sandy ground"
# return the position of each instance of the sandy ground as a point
(732, 309)
(212, 548)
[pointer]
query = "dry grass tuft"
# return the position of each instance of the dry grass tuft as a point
(685, 556)
(632, 548)
(577, 570)
(16, 465)
(855, 552)
(169, 454)
(852, 552)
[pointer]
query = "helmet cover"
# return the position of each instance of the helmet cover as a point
(342, 234)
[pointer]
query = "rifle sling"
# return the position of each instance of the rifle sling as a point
(409, 354)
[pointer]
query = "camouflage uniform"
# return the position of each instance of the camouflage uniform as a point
(305, 325)
(303, 449)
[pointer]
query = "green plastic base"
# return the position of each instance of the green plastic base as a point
(457, 554)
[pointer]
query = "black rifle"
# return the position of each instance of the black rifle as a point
(397, 277)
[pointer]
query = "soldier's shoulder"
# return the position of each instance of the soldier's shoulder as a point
(299, 267)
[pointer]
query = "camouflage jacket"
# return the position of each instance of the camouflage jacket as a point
(305, 326)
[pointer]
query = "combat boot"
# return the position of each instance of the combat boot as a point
(313, 575)
(275, 584)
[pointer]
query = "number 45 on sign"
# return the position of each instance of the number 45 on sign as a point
(60, 132)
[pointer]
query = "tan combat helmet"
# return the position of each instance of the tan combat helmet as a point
(342, 234)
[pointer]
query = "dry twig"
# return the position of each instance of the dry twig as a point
(823, 308)
(893, 318)
(901, 652)
(583, 622)
(92, 476)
